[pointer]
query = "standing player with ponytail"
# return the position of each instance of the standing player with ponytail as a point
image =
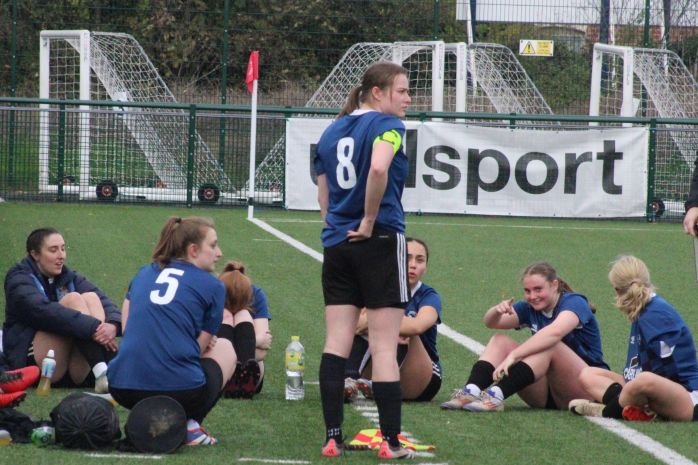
(362, 167)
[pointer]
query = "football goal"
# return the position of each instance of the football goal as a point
(627, 81)
(444, 77)
(117, 149)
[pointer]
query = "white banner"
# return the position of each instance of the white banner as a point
(456, 168)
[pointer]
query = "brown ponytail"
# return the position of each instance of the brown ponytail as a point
(381, 75)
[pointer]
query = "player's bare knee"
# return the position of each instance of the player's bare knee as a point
(75, 301)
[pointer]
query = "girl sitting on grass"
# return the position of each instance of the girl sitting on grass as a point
(543, 370)
(661, 371)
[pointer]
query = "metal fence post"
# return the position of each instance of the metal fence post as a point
(651, 169)
(13, 92)
(191, 149)
(224, 81)
(61, 152)
(437, 20)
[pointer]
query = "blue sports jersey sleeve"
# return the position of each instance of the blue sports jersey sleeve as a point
(426, 296)
(259, 303)
(578, 305)
(665, 344)
(214, 314)
(523, 311)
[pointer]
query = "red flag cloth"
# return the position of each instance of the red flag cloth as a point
(252, 70)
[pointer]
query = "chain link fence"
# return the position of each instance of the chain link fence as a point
(156, 65)
(200, 48)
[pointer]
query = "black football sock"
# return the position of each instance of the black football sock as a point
(481, 374)
(520, 376)
(92, 351)
(358, 351)
(401, 353)
(332, 394)
(226, 332)
(610, 399)
(244, 341)
(388, 397)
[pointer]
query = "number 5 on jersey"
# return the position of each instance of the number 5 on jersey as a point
(166, 276)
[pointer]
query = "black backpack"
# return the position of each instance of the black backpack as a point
(85, 421)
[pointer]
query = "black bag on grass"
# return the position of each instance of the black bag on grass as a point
(84, 421)
(18, 424)
(157, 425)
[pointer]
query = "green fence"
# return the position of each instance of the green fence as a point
(89, 151)
(200, 48)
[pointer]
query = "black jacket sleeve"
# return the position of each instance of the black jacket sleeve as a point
(28, 306)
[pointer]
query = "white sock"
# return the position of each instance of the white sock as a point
(193, 424)
(473, 389)
(99, 369)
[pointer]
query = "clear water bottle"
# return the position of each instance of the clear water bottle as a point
(48, 366)
(295, 366)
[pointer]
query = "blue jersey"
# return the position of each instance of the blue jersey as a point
(584, 340)
(661, 343)
(168, 310)
(344, 156)
(259, 303)
(426, 296)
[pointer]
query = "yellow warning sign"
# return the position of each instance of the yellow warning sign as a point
(536, 48)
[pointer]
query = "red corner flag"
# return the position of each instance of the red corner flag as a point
(252, 70)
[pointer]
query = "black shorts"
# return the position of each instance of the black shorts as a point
(197, 402)
(370, 273)
(434, 385)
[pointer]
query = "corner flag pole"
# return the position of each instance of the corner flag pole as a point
(251, 79)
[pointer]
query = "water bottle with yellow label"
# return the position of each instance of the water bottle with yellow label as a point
(295, 366)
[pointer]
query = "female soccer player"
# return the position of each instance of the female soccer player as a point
(661, 371)
(50, 306)
(543, 370)
(361, 169)
(420, 368)
(173, 309)
(249, 330)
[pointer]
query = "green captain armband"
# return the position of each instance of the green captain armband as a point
(392, 137)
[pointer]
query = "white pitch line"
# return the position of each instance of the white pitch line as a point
(288, 239)
(252, 459)
(643, 442)
(123, 456)
(469, 343)
(499, 226)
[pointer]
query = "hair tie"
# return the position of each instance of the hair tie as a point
(178, 220)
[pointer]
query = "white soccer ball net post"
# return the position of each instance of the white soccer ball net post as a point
(146, 149)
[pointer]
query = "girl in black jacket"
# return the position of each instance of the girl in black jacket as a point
(50, 306)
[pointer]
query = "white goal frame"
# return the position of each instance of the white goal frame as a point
(159, 134)
(665, 81)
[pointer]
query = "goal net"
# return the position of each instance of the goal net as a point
(630, 81)
(499, 84)
(144, 151)
(443, 78)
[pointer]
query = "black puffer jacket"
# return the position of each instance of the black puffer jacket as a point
(32, 307)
